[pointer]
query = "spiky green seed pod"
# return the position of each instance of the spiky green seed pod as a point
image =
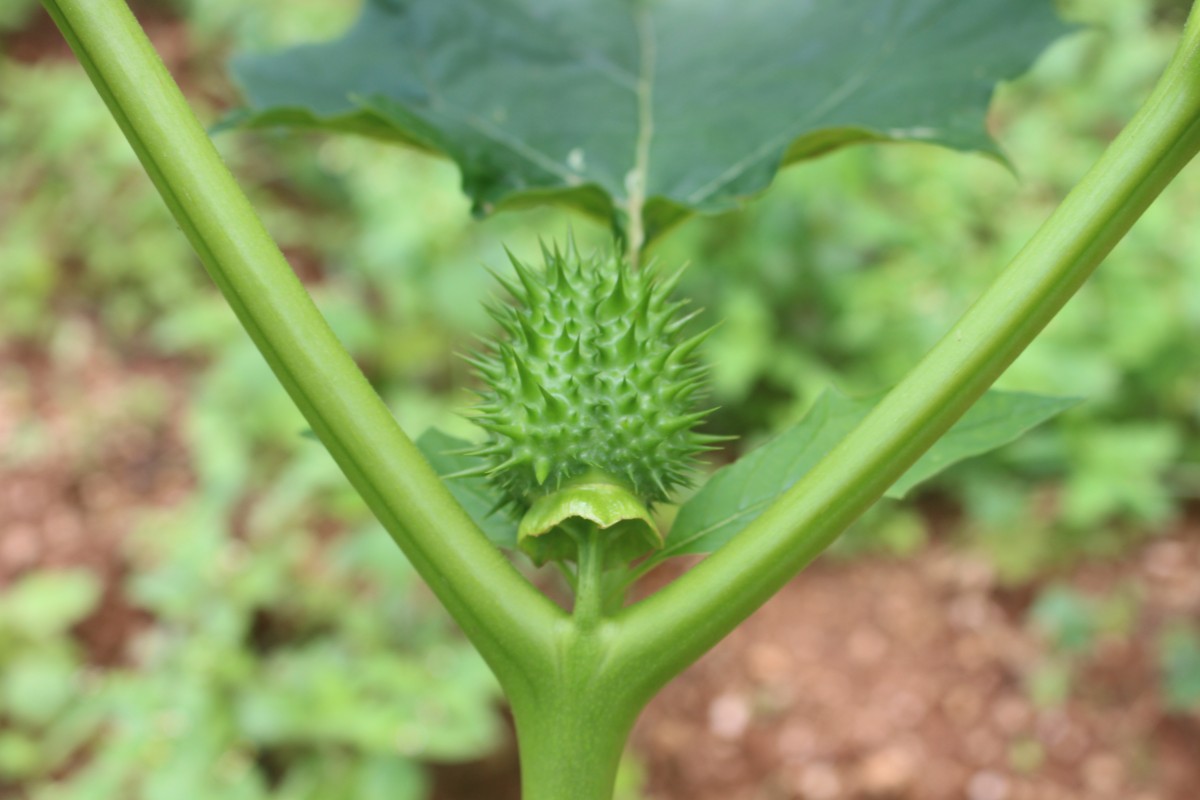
(593, 378)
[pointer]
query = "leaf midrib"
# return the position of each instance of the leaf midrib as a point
(639, 176)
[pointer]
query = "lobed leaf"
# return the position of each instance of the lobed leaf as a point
(649, 109)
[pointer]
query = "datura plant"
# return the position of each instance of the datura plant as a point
(638, 113)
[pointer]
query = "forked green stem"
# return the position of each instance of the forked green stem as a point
(577, 683)
(572, 733)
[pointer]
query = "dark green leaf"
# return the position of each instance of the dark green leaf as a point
(685, 106)
(995, 420)
(737, 494)
(444, 452)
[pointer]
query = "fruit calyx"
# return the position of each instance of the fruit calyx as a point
(607, 508)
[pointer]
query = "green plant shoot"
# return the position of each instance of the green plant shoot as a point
(591, 404)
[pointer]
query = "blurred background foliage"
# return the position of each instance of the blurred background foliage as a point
(279, 631)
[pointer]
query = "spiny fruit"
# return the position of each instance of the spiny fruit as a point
(592, 382)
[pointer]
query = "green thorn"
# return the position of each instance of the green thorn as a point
(628, 344)
(556, 408)
(676, 325)
(681, 352)
(684, 422)
(664, 287)
(470, 472)
(514, 432)
(534, 290)
(534, 340)
(514, 288)
(509, 464)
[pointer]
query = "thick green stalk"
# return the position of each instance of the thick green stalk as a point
(700, 608)
(572, 731)
(506, 618)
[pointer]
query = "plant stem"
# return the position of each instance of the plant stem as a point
(572, 732)
(589, 585)
(701, 607)
(504, 616)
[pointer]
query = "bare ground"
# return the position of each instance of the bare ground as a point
(884, 678)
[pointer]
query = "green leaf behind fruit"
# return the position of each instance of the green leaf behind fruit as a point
(651, 109)
(737, 494)
(445, 454)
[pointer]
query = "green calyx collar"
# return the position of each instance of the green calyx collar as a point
(613, 511)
